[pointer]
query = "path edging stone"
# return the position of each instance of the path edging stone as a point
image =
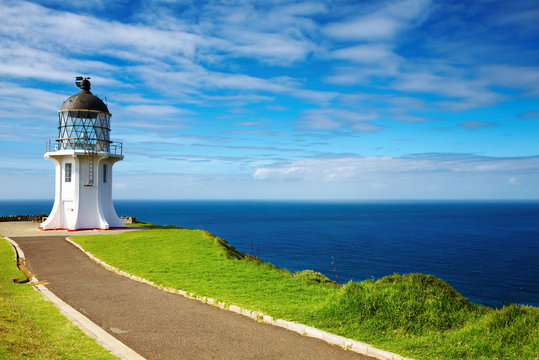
(346, 343)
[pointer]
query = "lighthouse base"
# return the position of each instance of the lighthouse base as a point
(78, 205)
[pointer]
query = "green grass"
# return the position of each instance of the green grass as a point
(415, 315)
(32, 328)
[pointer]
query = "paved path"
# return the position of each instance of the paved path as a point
(30, 228)
(156, 324)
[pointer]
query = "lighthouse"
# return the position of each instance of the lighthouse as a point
(83, 156)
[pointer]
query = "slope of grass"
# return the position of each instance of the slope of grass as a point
(196, 261)
(32, 328)
(415, 315)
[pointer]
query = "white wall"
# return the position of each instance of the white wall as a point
(77, 206)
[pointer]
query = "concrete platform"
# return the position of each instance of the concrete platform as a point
(29, 228)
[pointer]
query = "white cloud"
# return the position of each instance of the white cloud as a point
(81, 33)
(381, 24)
(368, 28)
(333, 118)
(319, 121)
(524, 18)
(148, 125)
(51, 53)
(367, 127)
(212, 67)
(364, 53)
(21, 61)
(195, 79)
(528, 114)
(268, 47)
(474, 124)
(430, 176)
(513, 181)
(444, 85)
(17, 99)
(349, 168)
(525, 78)
(158, 111)
(305, 8)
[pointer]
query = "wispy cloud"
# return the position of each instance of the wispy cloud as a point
(523, 78)
(154, 110)
(365, 53)
(378, 24)
(474, 124)
(263, 148)
(528, 114)
(256, 132)
(334, 118)
(281, 81)
(348, 168)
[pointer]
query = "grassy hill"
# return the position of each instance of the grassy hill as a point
(415, 315)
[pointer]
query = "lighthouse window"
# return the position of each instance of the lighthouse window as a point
(68, 172)
(104, 173)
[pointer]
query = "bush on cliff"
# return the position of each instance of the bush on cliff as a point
(413, 304)
(312, 275)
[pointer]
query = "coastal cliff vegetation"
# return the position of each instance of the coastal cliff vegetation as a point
(415, 315)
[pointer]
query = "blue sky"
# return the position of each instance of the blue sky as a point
(340, 100)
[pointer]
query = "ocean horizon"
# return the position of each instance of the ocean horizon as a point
(487, 250)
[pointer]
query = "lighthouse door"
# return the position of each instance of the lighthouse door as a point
(69, 214)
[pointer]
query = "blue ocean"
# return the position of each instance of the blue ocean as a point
(487, 251)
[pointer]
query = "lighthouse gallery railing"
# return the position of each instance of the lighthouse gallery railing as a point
(87, 144)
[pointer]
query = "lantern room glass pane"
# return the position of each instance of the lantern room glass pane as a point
(83, 130)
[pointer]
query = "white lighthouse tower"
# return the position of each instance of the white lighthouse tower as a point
(83, 156)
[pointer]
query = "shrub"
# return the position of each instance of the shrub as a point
(312, 276)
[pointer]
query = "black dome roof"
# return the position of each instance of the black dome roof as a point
(84, 100)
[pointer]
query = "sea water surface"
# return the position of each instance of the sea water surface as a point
(487, 251)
